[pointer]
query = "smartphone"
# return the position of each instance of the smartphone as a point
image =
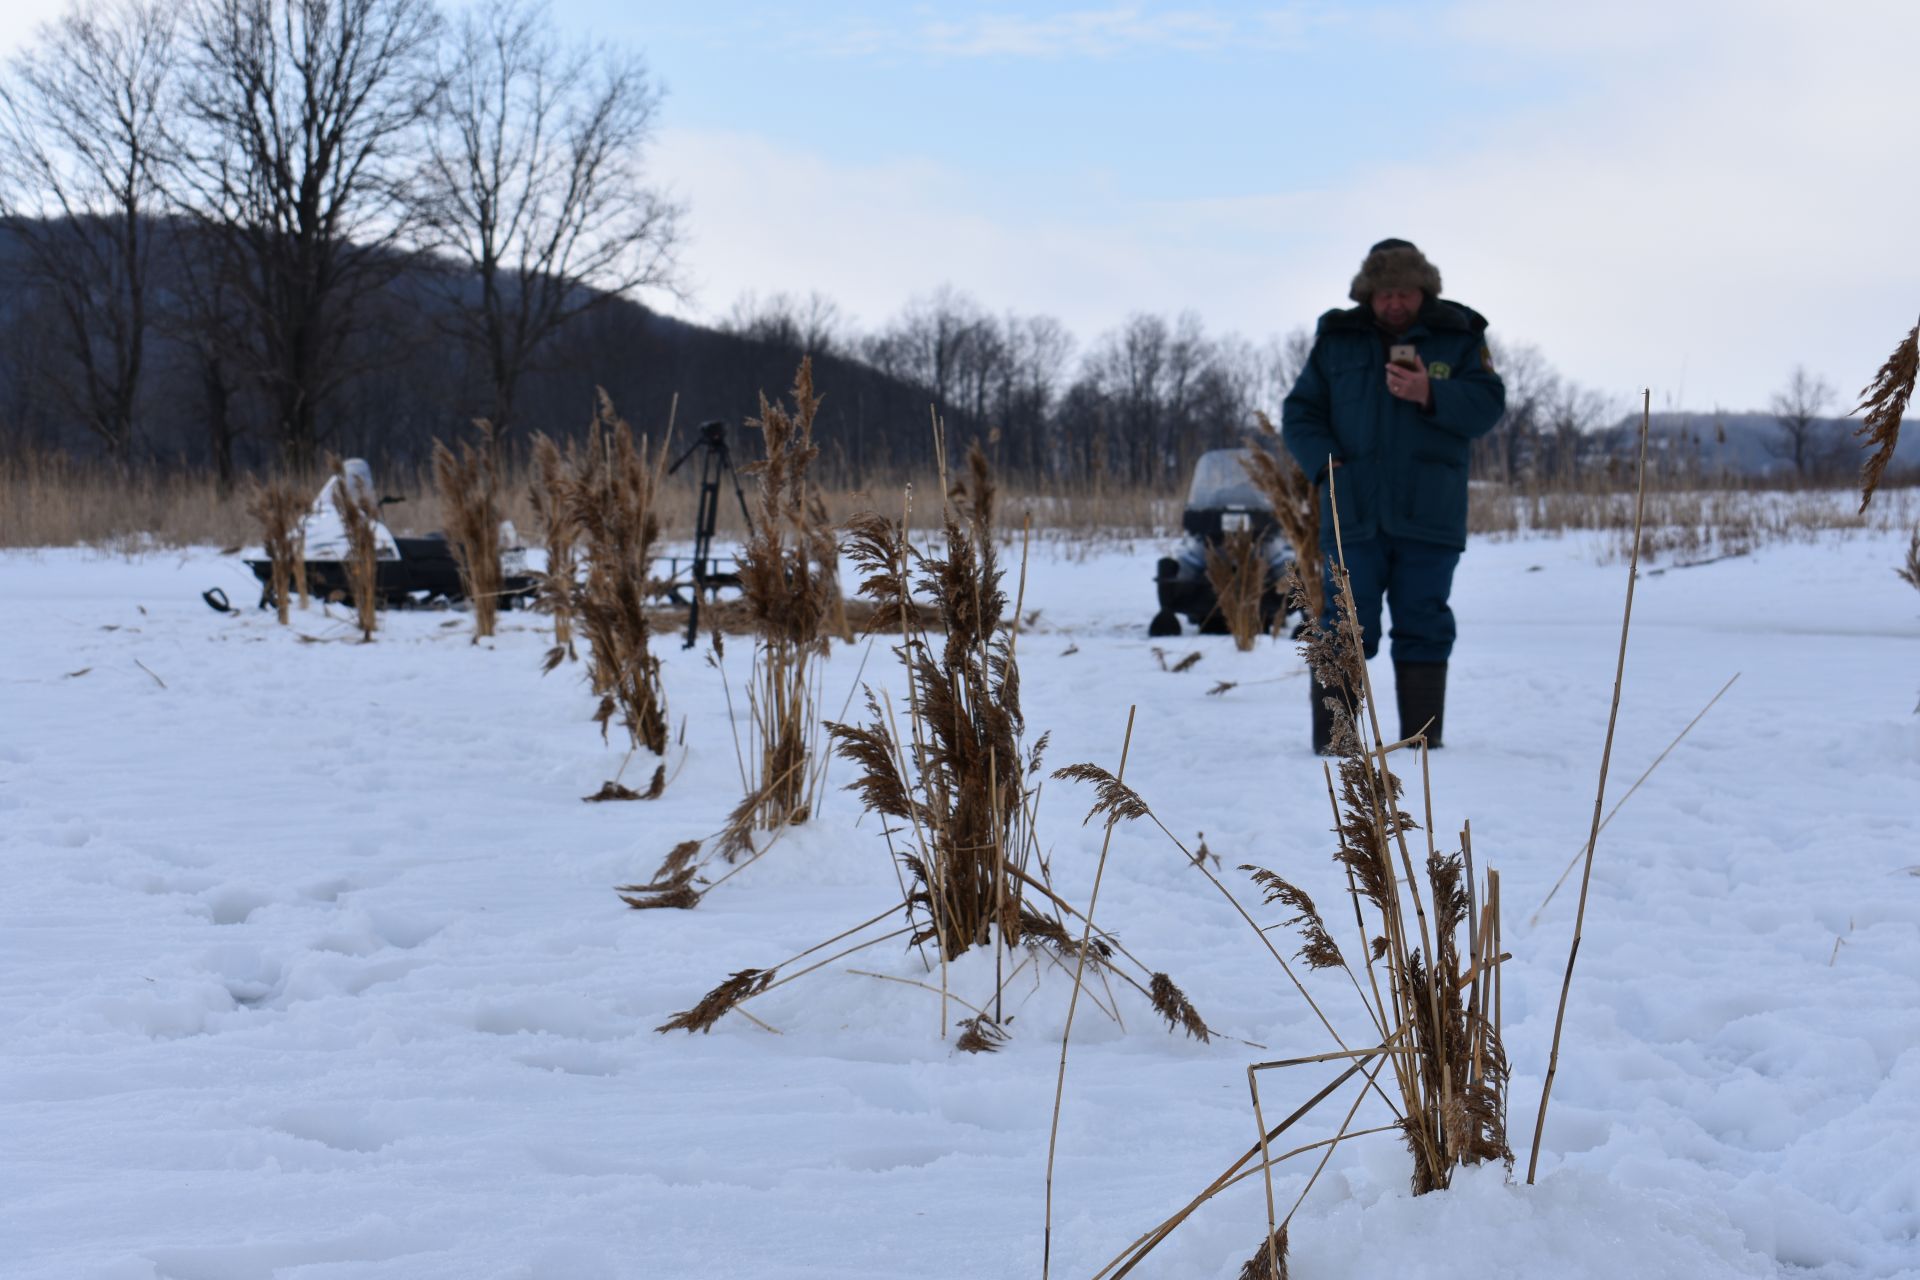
(1401, 353)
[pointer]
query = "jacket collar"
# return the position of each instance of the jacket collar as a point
(1438, 315)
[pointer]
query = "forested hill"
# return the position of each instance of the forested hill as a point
(1754, 444)
(406, 378)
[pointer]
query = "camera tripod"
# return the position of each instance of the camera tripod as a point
(716, 459)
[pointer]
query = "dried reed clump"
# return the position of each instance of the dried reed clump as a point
(1885, 401)
(954, 789)
(467, 487)
(609, 488)
(1444, 1046)
(1425, 965)
(360, 514)
(1296, 506)
(559, 532)
(789, 580)
(280, 511)
(959, 778)
(1237, 570)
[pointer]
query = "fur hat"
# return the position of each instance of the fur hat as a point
(1395, 264)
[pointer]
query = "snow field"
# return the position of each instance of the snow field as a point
(310, 968)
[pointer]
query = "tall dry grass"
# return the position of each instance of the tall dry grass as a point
(50, 500)
(1237, 571)
(468, 493)
(1423, 958)
(279, 510)
(610, 486)
(559, 533)
(53, 501)
(952, 780)
(789, 584)
(1296, 507)
(359, 513)
(958, 779)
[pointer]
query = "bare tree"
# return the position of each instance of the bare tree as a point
(298, 115)
(535, 187)
(806, 326)
(932, 344)
(1517, 445)
(1806, 439)
(1277, 365)
(82, 143)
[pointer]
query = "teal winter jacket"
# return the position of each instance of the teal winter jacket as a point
(1403, 469)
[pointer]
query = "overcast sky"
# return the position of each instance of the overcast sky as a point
(1684, 195)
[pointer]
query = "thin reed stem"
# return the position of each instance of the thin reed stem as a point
(1086, 935)
(1599, 799)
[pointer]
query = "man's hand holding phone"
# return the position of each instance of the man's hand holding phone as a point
(1407, 375)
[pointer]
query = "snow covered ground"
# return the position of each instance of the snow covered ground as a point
(310, 968)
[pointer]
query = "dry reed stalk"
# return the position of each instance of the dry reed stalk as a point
(1114, 818)
(1237, 570)
(467, 487)
(1427, 995)
(1599, 799)
(960, 779)
(957, 777)
(609, 489)
(1296, 506)
(300, 563)
(1885, 401)
(359, 513)
(559, 534)
(789, 581)
(1909, 572)
(279, 510)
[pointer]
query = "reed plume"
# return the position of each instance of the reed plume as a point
(1885, 402)
(360, 514)
(610, 488)
(789, 580)
(280, 511)
(959, 778)
(1296, 507)
(559, 532)
(1237, 570)
(467, 484)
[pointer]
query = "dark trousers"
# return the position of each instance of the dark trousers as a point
(1415, 578)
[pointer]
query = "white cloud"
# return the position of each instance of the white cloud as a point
(1699, 232)
(1078, 33)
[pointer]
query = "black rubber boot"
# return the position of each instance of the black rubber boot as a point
(1322, 718)
(1421, 688)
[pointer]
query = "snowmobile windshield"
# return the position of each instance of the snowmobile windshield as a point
(1220, 482)
(324, 530)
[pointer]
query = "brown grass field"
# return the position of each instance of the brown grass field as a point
(53, 501)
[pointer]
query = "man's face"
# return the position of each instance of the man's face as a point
(1397, 308)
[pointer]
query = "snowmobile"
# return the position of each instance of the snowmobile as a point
(407, 571)
(1221, 500)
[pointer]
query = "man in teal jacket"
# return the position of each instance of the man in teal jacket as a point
(1395, 439)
